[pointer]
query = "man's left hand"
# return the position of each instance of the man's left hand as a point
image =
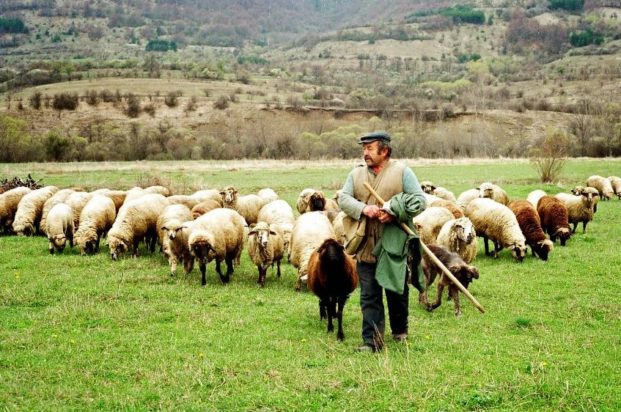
(385, 217)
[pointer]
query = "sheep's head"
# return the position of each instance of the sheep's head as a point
(465, 230)
(202, 246)
(172, 229)
(563, 233)
(24, 229)
(89, 246)
(317, 201)
(427, 187)
(229, 196)
(577, 190)
(59, 241)
(262, 232)
(543, 248)
(486, 190)
(518, 250)
(117, 247)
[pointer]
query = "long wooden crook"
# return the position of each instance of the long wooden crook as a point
(432, 256)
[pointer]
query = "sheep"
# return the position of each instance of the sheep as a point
(186, 200)
(280, 215)
(339, 229)
(465, 197)
(579, 208)
(429, 223)
(615, 182)
(459, 236)
(431, 198)
(265, 247)
(96, 219)
(493, 192)
(534, 196)
(444, 193)
(158, 189)
(594, 193)
(450, 206)
(427, 186)
(77, 201)
(497, 222)
(59, 227)
(219, 235)
(456, 265)
(118, 197)
(205, 194)
(171, 213)
(530, 225)
(204, 207)
(309, 232)
(303, 199)
(178, 234)
(58, 197)
(332, 276)
(603, 186)
(8, 206)
(29, 209)
(554, 218)
(267, 194)
(317, 201)
(248, 205)
(137, 220)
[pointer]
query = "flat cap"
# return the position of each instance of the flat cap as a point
(371, 137)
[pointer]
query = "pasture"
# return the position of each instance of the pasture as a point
(86, 332)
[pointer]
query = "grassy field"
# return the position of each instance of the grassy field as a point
(84, 332)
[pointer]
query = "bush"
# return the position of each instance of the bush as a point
(161, 45)
(584, 38)
(92, 98)
(171, 99)
(222, 103)
(35, 100)
(569, 5)
(133, 106)
(65, 101)
(548, 157)
(149, 109)
(192, 104)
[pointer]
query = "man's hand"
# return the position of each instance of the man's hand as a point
(371, 211)
(385, 217)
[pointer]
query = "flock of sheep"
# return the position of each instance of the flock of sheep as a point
(217, 225)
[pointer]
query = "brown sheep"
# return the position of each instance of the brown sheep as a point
(204, 207)
(530, 225)
(451, 206)
(332, 276)
(554, 218)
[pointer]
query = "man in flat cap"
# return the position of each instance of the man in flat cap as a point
(373, 234)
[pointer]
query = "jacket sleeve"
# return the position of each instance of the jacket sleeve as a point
(347, 202)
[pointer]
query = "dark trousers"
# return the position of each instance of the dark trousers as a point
(372, 305)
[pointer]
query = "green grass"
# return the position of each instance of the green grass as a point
(88, 333)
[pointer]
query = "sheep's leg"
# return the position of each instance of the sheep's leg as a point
(438, 300)
(584, 227)
(454, 294)
(136, 243)
(51, 248)
(497, 249)
(322, 309)
(97, 243)
(203, 267)
(70, 238)
(486, 246)
(262, 273)
(188, 264)
(339, 316)
(575, 225)
(278, 268)
(331, 313)
(298, 283)
(172, 260)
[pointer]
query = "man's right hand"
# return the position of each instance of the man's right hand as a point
(371, 211)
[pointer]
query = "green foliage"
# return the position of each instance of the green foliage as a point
(160, 45)
(12, 25)
(464, 14)
(584, 38)
(463, 58)
(251, 59)
(569, 5)
(65, 101)
(16, 143)
(63, 148)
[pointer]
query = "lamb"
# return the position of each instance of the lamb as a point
(455, 264)
(459, 236)
(332, 276)
(204, 207)
(603, 186)
(137, 220)
(96, 219)
(497, 222)
(279, 214)
(219, 235)
(178, 234)
(265, 247)
(530, 225)
(248, 205)
(77, 201)
(29, 209)
(59, 227)
(429, 223)
(615, 182)
(493, 192)
(8, 206)
(554, 218)
(579, 208)
(309, 232)
(451, 206)
(268, 195)
(58, 197)
(171, 214)
(465, 197)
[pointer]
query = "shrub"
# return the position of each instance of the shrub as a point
(133, 106)
(584, 38)
(192, 104)
(92, 98)
(548, 157)
(65, 101)
(161, 45)
(171, 99)
(35, 100)
(149, 109)
(221, 103)
(570, 5)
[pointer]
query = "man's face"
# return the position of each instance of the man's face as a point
(373, 156)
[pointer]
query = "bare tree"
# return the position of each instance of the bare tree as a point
(549, 157)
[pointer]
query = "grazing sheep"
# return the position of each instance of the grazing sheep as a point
(317, 202)
(459, 236)
(594, 193)
(465, 197)
(332, 276)
(444, 193)
(205, 194)
(265, 247)
(530, 225)
(134, 193)
(429, 223)
(579, 208)
(59, 227)
(303, 199)
(268, 195)
(493, 192)
(339, 229)
(615, 182)
(534, 196)
(29, 209)
(178, 234)
(497, 222)
(186, 200)
(158, 189)
(455, 264)
(429, 199)
(137, 220)
(77, 201)
(309, 232)
(96, 219)
(219, 235)
(171, 214)
(8, 206)
(603, 186)
(204, 207)
(554, 218)
(279, 214)
(427, 186)
(58, 197)
(450, 206)
(117, 196)
(248, 205)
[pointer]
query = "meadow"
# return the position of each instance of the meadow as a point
(86, 332)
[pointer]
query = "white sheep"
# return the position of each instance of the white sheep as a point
(136, 220)
(579, 208)
(219, 235)
(302, 200)
(29, 209)
(186, 200)
(615, 182)
(117, 196)
(459, 236)
(279, 214)
(205, 194)
(497, 222)
(58, 197)
(430, 221)
(444, 193)
(265, 247)
(158, 189)
(96, 219)
(427, 186)
(339, 228)
(248, 205)
(170, 215)
(493, 192)
(77, 201)
(268, 195)
(59, 227)
(534, 196)
(603, 186)
(8, 206)
(465, 197)
(309, 232)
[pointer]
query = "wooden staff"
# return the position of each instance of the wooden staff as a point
(432, 256)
